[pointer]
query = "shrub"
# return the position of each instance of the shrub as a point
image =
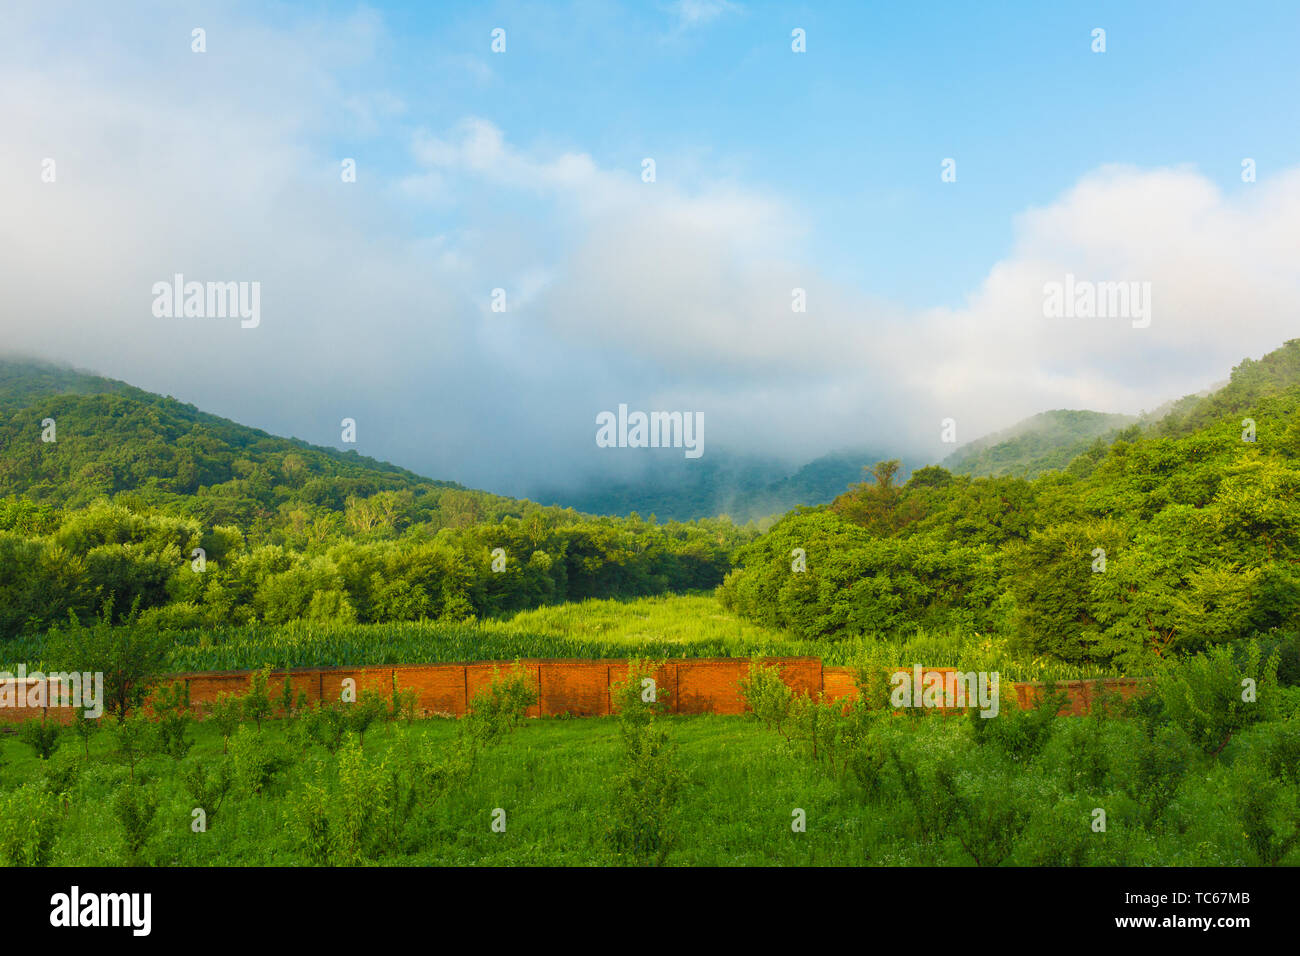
(85, 728)
(61, 775)
(1020, 733)
(172, 710)
(134, 807)
(255, 760)
(291, 707)
(369, 708)
(349, 817)
(498, 708)
(643, 806)
(207, 784)
(1163, 757)
(767, 695)
(129, 656)
(257, 702)
(325, 725)
(404, 703)
(1270, 815)
(134, 738)
(41, 735)
(1205, 695)
(225, 713)
(29, 819)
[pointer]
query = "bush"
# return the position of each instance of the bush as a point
(255, 760)
(257, 702)
(172, 709)
(767, 696)
(129, 656)
(1020, 733)
(1270, 815)
(134, 807)
(207, 785)
(225, 713)
(325, 725)
(1205, 694)
(85, 728)
(134, 738)
(643, 806)
(41, 735)
(29, 819)
(498, 708)
(62, 774)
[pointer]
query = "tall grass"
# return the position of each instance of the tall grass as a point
(691, 625)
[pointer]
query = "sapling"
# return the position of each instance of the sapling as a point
(61, 775)
(361, 715)
(172, 708)
(207, 784)
(134, 737)
(225, 713)
(134, 806)
(257, 703)
(41, 735)
(643, 807)
(84, 727)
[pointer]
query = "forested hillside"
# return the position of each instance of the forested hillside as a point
(1169, 539)
(1048, 440)
(112, 511)
(744, 488)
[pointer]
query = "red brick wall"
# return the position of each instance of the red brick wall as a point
(577, 687)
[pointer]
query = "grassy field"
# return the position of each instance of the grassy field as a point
(692, 625)
(942, 796)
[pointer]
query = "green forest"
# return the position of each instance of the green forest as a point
(148, 538)
(1177, 535)
(1168, 536)
(152, 508)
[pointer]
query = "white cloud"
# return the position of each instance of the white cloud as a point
(666, 294)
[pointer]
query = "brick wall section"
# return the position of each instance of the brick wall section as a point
(580, 688)
(1080, 694)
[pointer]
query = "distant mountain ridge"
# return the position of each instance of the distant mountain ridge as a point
(1043, 442)
(111, 437)
(744, 488)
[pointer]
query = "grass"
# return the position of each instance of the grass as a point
(553, 779)
(690, 625)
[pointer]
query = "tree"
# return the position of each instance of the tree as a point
(129, 656)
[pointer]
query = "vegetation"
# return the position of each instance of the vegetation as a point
(1132, 788)
(1157, 546)
(1045, 442)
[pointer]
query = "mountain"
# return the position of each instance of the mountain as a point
(1250, 381)
(1181, 535)
(110, 438)
(118, 502)
(1043, 442)
(746, 488)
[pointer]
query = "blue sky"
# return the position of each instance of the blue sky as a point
(853, 131)
(776, 171)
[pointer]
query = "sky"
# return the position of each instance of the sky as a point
(523, 170)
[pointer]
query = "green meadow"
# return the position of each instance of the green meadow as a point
(794, 785)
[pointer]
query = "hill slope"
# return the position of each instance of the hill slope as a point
(744, 488)
(1046, 441)
(111, 437)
